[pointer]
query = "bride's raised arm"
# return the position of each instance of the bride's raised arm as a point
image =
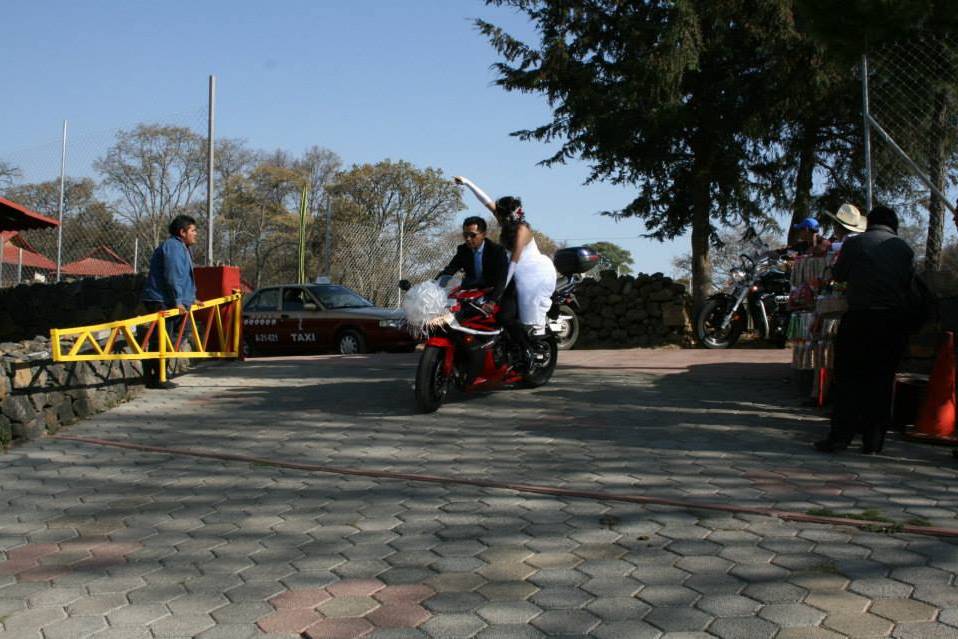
(479, 193)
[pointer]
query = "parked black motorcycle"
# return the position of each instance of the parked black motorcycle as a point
(758, 302)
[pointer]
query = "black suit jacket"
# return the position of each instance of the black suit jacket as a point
(495, 267)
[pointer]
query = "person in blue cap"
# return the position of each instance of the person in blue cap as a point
(810, 240)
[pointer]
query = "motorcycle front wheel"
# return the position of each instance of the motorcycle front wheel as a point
(568, 329)
(542, 370)
(708, 326)
(431, 383)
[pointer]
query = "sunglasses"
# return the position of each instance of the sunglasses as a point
(469, 234)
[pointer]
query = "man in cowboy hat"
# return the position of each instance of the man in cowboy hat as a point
(878, 267)
(850, 223)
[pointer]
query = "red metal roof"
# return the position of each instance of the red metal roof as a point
(92, 267)
(16, 217)
(12, 244)
(100, 262)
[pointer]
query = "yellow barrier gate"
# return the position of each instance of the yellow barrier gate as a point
(220, 318)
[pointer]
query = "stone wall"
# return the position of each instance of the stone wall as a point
(39, 396)
(31, 310)
(628, 311)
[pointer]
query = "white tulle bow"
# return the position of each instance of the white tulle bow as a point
(425, 305)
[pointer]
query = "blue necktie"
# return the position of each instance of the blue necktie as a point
(477, 258)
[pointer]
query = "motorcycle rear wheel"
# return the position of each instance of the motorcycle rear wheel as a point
(431, 383)
(542, 373)
(708, 326)
(569, 333)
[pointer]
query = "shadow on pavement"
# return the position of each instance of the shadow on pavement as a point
(733, 432)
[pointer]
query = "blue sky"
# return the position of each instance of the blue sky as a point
(368, 79)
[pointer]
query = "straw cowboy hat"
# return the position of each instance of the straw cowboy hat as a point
(850, 217)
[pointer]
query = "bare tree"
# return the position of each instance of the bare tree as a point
(377, 205)
(397, 192)
(319, 166)
(8, 174)
(234, 162)
(263, 224)
(156, 171)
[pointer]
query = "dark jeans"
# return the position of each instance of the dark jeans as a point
(151, 367)
(868, 349)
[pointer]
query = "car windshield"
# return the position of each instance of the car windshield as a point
(332, 296)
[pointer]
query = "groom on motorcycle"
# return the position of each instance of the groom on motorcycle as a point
(485, 264)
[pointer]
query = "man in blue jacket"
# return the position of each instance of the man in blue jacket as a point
(170, 285)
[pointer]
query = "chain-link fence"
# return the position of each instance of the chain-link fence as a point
(119, 189)
(911, 120)
(372, 260)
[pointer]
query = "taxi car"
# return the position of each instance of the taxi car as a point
(304, 318)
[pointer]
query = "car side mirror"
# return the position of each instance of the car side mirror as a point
(404, 285)
(310, 306)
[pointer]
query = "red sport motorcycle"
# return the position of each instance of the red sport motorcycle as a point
(467, 347)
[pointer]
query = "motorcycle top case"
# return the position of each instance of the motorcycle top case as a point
(575, 259)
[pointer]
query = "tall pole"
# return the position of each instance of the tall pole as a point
(303, 207)
(328, 236)
(401, 225)
(19, 265)
(63, 165)
(866, 116)
(209, 171)
(136, 254)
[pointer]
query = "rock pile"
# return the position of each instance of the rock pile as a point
(628, 311)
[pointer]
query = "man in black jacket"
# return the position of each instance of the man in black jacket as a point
(878, 267)
(484, 263)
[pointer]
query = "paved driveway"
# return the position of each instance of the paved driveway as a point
(106, 541)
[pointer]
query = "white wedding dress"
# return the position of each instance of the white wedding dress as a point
(535, 284)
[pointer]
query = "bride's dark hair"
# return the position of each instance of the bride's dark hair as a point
(508, 206)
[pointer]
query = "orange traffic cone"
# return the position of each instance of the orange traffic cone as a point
(937, 416)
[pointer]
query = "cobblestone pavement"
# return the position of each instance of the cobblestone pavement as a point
(105, 542)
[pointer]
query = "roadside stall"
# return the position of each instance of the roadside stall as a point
(818, 307)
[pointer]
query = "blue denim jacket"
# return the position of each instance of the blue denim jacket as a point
(171, 275)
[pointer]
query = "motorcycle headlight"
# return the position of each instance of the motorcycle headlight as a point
(737, 274)
(391, 323)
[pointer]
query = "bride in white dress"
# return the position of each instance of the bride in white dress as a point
(535, 275)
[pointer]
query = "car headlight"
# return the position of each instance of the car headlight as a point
(737, 274)
(392, 323)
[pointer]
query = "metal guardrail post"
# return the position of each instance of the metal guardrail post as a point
(238, 323)
(161, 360)
(55, 343)
(866, 114)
